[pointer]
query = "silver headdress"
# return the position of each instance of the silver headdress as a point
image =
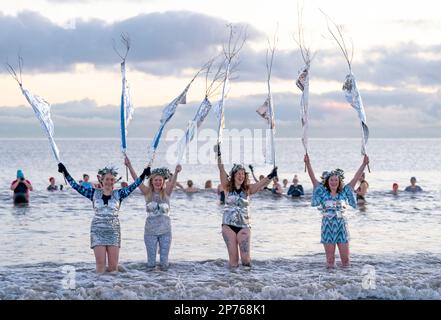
(337, 172)
(112, 170)
(163, 172)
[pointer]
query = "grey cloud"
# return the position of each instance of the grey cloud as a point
(171, 40)
(166, 43)
(399, 113)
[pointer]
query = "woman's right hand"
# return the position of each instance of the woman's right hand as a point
(127, 161)
(306, 159)
(217, 150)
(366, 160)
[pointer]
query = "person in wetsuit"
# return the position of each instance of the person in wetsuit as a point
(21, 188)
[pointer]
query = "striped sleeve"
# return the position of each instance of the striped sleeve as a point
(86, 192)
(125, 192)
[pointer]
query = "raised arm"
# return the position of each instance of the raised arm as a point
(28, 184)
(359, 172)
(314, 181)
(252, 173)
(171, 184)
(15, 184)
(144, 189)
(86, 192)
(125, 192)
(255, 187)
(222, 173)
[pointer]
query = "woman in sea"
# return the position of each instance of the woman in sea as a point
(105, 231)
(157, 229)
(236, 224)
(331, 196)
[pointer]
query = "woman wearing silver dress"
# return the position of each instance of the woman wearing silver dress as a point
(105, 231)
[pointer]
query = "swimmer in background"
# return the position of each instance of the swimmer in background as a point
(209, 186)
(395, 190)
(52, 186)
(362, 189)
(296, 189)
(85, 182)
(21, 188)
(190, 188)
(413, 186)
(277, 188)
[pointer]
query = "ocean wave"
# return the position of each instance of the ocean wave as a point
(370, 277)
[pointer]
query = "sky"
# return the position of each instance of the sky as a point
(69, 60)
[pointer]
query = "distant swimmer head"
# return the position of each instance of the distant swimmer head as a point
(333, 180)
(295, 180)
(208, 184)
(20, 174)
(52, 180)
(395, 186)
(238, 177)
(413, 180)
(189, 183)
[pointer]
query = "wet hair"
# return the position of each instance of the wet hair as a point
(245, 184)
(340, 183)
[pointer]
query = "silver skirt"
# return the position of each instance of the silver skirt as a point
(105, 231)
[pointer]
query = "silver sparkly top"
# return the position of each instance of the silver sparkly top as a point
(158, 219)
(236, 211)
(106, 210)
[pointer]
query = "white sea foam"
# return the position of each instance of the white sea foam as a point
(410, 277)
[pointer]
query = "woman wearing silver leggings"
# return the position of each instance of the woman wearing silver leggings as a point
(157, 229)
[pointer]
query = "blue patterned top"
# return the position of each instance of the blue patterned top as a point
(89, 192)
(331, 206)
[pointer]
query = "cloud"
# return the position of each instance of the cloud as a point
(396, 113)
(168, 43)
(162, 43)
